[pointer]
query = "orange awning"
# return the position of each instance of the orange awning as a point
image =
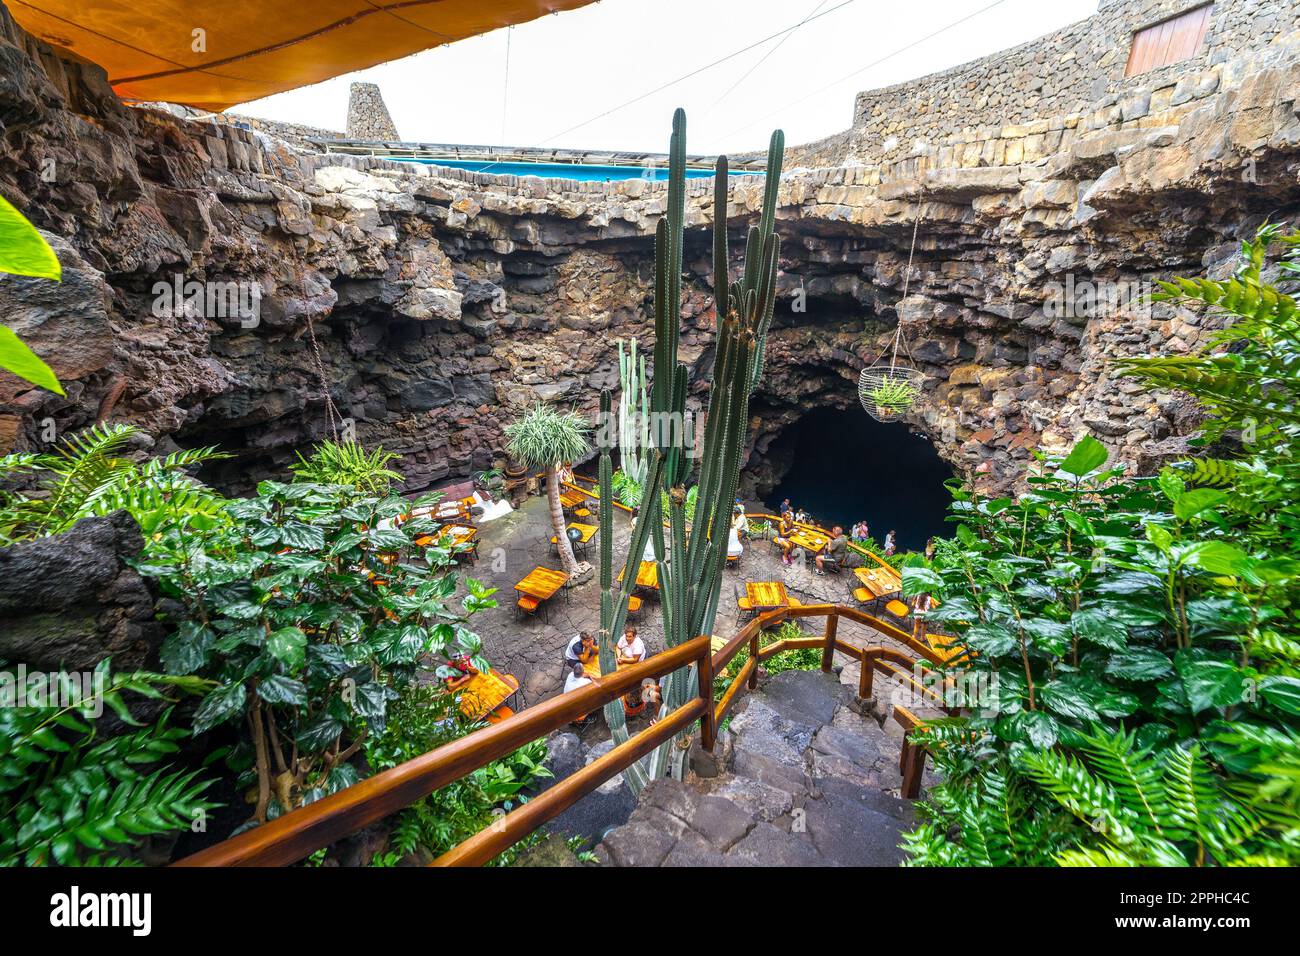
(211, 54)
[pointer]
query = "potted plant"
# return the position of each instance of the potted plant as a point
(893, 395)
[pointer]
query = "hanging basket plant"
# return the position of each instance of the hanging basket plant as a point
(888, 392)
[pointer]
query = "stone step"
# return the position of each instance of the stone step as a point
(808, 784)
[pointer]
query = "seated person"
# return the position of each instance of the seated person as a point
(630, 648)
(782, 539)
(566, 472)
(582, 649)
(802, 517)
(576, 678)
(836, 550)
(466, 671)
(739, 525)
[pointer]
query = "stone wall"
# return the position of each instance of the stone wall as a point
(1057, 75)
(368, 117)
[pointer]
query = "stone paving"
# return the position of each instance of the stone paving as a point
(846, 777)
(532, 648)
(807, 784)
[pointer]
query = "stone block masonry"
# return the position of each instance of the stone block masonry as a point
(368, 117)
(1062, 74)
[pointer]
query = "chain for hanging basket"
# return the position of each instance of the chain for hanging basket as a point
(888, 391)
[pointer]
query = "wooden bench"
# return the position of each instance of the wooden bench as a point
(633, 604)
(528, 604)
(898, 608)
(863, 595)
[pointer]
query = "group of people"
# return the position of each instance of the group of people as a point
(838, 547)
(630, 649)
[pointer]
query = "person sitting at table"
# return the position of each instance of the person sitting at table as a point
(582, 649)
(630, 648)
(577, 677)
(465, 669)
(782, 539)
(837, 550)
(802, 517)
(566, 472)
(739, 524)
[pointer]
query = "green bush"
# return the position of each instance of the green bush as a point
(1138, 635)
(310, 610)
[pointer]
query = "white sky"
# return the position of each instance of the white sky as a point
(569, 68)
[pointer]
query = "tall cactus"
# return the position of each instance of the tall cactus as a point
(690, 565)
(633, 427)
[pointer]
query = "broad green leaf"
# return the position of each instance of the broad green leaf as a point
(1209, 682)
(1282, 692)
(1140, 663)
(921, 581)
(1098, 626)
(222, 704)
(16, 357)
(1197, 500)
(1216, 557)
(23, 251)
(1087, 456)
(278, 689)
(287, 645)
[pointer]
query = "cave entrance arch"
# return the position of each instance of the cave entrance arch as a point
(842, 466)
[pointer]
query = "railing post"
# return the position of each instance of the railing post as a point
(828, 652)
(708, 729)
(752, 682)
(867, 674)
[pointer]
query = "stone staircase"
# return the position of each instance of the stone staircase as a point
(800, 778)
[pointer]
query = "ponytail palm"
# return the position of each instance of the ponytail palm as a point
(542, 439)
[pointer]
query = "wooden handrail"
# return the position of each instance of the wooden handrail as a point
(514, 826)
(301, 832)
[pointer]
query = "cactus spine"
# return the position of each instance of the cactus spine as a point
(690, 566)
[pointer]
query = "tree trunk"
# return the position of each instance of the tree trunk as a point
(562, 543)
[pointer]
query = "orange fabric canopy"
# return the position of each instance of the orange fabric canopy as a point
(211, 54)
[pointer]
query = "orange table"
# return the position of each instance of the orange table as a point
(766, 595)
(647, 575)
(542, 583)
(879, 580)
(484, 693)
(460, 534)
(592, 667)
(571, 499)
(811, 541)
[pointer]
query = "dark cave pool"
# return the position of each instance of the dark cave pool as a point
(846, 466)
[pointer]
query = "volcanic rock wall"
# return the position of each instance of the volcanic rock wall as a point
(432, 305)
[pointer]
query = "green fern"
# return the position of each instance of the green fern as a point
(348, 463)
(70, 796)
(89, 475)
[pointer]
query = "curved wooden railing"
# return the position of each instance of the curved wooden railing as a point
(299, 833)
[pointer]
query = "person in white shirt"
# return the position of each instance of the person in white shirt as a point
(576, 678)
(630, 648)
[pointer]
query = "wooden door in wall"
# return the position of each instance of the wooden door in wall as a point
(1169, 41)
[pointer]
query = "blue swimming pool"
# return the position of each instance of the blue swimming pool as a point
(580, 171)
